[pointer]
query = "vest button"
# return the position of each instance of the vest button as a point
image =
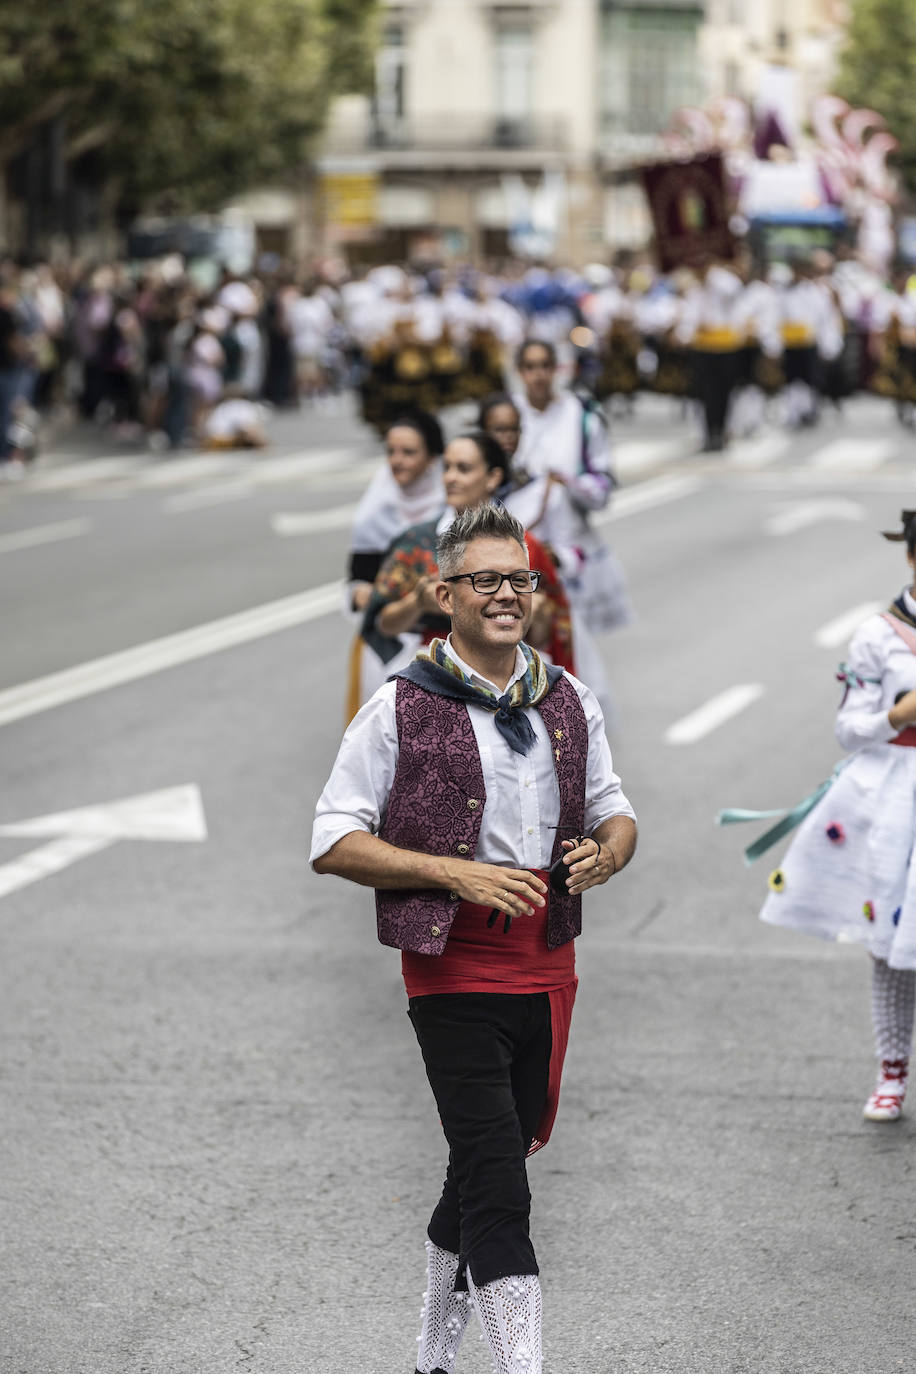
(464, 849)
(454, 896)
(435, 931)
(473, 803)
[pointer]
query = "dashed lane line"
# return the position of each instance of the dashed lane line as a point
(713, 713)
(75, 475)
(843, 627)
(115, 670)
(251, 483)
(139, 472)
(43, 534)
(312, 522)
(657, 491)
(852, 454)
(800, 515)
(635, 455)
(759, 450)
(630, 501)
(204, 497)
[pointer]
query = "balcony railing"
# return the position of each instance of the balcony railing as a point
(449, 133)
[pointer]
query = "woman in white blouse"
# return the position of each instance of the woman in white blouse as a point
(848, 874)
(406, 489)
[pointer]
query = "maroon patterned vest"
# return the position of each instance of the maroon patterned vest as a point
(437, 800)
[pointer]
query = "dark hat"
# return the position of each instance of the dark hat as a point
(898, 536)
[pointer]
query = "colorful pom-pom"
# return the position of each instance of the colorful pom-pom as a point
(896, 916)
(777, 881)
(868, 911)
(835, 833)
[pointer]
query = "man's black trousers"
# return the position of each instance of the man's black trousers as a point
(487, 1058)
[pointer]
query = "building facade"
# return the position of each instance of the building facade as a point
(496, 124)
(739, 43)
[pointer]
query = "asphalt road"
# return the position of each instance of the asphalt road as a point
(218, 1147)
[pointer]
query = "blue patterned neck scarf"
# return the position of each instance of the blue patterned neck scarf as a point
(436, 672)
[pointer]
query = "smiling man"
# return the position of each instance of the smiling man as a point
(457, 789)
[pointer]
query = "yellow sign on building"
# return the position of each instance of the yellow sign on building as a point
(350, 199)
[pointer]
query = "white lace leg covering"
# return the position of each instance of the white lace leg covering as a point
(892, 1002)
(510, 1314)
(445, 1312)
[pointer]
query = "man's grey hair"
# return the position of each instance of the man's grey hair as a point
(477, 522)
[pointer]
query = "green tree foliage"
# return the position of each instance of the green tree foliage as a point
(194, 98)
(878, 70)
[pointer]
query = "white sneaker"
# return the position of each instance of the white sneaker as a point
(886, 1102)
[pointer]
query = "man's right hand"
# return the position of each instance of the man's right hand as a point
(513, 890)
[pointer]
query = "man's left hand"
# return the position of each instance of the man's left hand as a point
(590, 864)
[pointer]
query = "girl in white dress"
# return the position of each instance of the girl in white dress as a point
(848, 874)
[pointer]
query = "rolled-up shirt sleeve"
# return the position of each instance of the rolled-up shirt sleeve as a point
(862, 717)
(356, 794)
(604, 796)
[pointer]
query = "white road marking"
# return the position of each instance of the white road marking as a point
(658, 491)
(43, 534)
(321, 470)
(83, 474)
(635, 455)
(172, 472)
(852, 453)
(114, 670)
(713, 713)
(174, 814)
(843, 627)
(759, 450)
(358, 476)
(208, 496)
(142, 472)
(312, 522)
(832, 479)
(800, 514)
(338, 460)
(629, 501)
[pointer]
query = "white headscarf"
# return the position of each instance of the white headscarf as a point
(387, 510)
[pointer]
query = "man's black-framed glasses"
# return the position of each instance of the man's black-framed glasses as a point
(490, 582)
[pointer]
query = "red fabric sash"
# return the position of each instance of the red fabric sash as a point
(482, 958)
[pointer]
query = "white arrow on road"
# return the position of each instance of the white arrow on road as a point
(175, 814)
(800, 514)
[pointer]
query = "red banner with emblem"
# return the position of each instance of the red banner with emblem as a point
(690, 211)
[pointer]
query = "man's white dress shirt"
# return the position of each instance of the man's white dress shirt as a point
(522, 795)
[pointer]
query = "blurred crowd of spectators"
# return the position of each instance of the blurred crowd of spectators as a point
(153, 355)
(158, 357)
